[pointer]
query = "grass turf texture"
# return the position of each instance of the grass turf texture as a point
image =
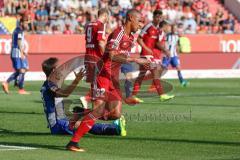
(202, 122)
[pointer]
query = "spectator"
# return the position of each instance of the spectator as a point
(229, 22)
(125, 4)
(202, 29)
(42, 14)
(56, 29)
(67, 29)
(189, 30)
(228, 29)
(59, 21)
(72, 22)
(64, 4)
(86, 5)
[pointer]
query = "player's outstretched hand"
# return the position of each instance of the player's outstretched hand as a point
(80, 74)
(142, 61)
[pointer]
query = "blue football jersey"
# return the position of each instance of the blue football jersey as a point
(18, 34)
(53, 106)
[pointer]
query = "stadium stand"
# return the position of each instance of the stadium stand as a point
(70, 16)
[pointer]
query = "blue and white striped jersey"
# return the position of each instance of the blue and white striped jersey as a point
(172, 42)
(18, 34)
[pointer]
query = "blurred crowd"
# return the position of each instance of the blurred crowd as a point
(71, 16)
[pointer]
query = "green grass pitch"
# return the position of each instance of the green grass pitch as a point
(202, 122)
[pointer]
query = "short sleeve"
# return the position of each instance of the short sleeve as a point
(101, 32)
(114, 40)
(20, 35)
(52, 86)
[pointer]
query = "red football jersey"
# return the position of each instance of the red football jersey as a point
(150, 36)
(95, 31)
(120, 42)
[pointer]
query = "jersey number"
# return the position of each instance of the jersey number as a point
(89, 34)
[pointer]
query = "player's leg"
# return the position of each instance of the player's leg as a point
(127, 70)
(16, 63)
(97, 128)
(165, 64)
(138, 83)
(21, 76)
(156, 74)
(105, 129)
(115, 110)
(89, 120)
(176, 64)
(87, 123)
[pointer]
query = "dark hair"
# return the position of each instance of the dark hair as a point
(103, 11)
(48, 65)
(157, 12)
(131, 12)
(163, 23)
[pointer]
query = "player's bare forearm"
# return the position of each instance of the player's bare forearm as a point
(102, 45)
(67, 91)
(142, 44)
(121, 58)
(163, 49)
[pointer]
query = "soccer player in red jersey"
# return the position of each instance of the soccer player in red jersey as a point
(95, 36)
(108, 94)
(152, 39)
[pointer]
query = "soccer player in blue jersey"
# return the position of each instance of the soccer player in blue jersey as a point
(53, 104)
(172, 42)
(19, 59)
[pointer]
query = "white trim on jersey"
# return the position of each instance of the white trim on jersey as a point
(144, 30)
(119, 37)
(161, 36)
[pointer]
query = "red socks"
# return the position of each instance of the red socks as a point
(158, 86)
(86, 124)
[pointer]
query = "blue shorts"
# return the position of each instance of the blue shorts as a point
(19, 63)
(174, 61)
(61, 127)
(126, 68)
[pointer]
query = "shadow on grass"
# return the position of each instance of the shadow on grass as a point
(7, 112)
(207, 142)
(190, 104)
(5, 132)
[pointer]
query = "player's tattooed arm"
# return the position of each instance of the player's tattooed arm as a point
(67, 91)
(142, 44)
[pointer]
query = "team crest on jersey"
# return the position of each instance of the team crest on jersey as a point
(125, 45)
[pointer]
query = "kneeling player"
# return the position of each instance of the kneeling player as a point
(172, 42)
(108, 93)
(54, 106)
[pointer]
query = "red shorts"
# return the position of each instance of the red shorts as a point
(107, 89)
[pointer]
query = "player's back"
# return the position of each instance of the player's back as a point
(172, 43)
(18, 34)
(95, 31)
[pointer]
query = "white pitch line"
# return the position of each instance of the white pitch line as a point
(14, 148)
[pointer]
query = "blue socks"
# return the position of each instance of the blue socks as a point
(21, 80)
(128, 87)
(180, 77)
(105, 129)
(13, 77)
